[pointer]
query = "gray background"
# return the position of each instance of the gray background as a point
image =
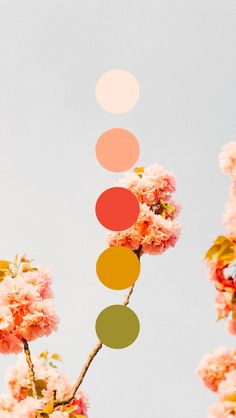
(183, 54)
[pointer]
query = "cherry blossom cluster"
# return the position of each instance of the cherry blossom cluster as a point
(36, 388)
(26, 308)
(221, 257)
(218, 369)
(19, 402)
(156, 228)
(218, 373)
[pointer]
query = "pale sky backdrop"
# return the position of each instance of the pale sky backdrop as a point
(183, 55)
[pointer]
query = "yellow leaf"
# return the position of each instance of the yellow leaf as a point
(234, 315)
(4, 264)
(139, 171)
(222, 250)
(4, 273)
(69, 409)
(44, 355)
(49, 407)
(26, 267)
(77, 416)
(231, 398)
(56, 357)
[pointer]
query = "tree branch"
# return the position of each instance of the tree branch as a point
(30, 366)
(93, 353)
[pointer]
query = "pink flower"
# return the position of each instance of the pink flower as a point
(227, 159)
(57, 381)
(223, 304)
(7, 403)
(25, 309)
(27, 408)
(132, 237)
(230, 215)
(40, 321)
(223, 410)
(155, 183)
(214, 367)
(9, 343)
(6, 319)
(6, 414)
(228, 386)
(231, 326)
(17, 296)
(59, 414)
(160, 235)
(154, 233)
(41, 279)
(18, 377)
(19, 385)
(81, 403)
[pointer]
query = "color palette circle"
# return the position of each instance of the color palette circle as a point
(117, 91)
(118, 268)
(117, 150)
(117, 208)
(117, 326)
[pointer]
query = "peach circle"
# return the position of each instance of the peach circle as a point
(117, 150)
(117, 91)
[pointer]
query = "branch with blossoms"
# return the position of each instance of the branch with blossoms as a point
(218, 369)
(221, 257)
(36, 386)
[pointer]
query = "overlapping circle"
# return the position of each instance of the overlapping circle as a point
(117, 208)
(118, 268)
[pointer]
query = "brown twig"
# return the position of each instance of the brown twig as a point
(30, 366)
(93, 353)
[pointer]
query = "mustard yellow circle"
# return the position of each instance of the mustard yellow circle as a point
(118, 268)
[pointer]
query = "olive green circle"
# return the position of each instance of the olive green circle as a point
(117, 326)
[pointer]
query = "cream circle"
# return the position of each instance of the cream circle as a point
(117, 91)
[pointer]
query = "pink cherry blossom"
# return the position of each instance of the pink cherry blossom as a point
(227, 387)
(154, 233)
(231, 326)
(26, 311)
(41, 320)
(230, 215)
(227, 159)
(214, 367)
(41, 279)
(222, 410)
(154, 184)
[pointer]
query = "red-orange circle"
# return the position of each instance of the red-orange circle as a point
(117, 150)
(117, 208)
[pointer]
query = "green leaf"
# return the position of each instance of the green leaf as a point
(51, 364)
